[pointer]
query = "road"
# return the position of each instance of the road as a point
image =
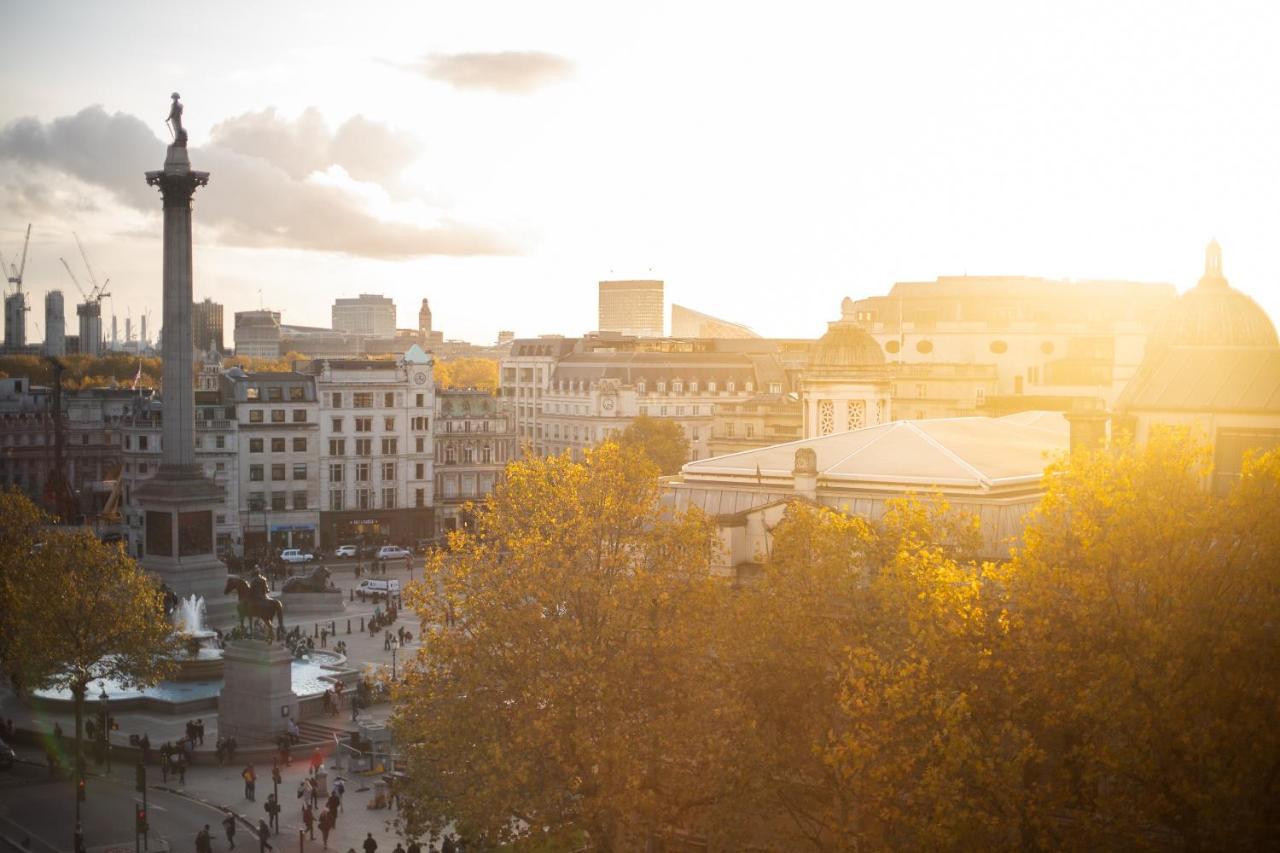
(42, 810)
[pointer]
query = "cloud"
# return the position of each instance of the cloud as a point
(512, 72)
(367, 150)
(258, 194)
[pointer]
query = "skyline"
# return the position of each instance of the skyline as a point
(734, 158)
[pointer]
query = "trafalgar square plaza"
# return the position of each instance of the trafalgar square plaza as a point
(273, 710)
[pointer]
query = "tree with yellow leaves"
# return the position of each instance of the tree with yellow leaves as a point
(76, 611)
(564, 676)
(478, 373)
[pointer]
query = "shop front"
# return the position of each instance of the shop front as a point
(374, 528)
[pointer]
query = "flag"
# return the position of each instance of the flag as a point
(137, 377)
(759, 479)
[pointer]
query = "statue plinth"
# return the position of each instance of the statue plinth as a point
(257, 699)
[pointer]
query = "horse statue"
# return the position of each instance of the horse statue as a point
(315, 581)
(255, 604)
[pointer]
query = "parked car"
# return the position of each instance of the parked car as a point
(392, 552)
(296, 555)
(7, 756)
(344, 551)
(377, 588)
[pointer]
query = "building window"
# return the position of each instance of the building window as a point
(892, 347)
(419, 495)
(695, 433)
(335, 472)
(750, 430)
(300, 445)
(277, 445)
(775, 387)
(277, 471)
(337, 447)
(731, 386)
(922, 390)
(255, 445)
(388, 471)
(388, 400)
(220, 442)
(979, 396)
(251, 392)
(826, 417)
(220, 467)
(277, 502)
(729, 429)
(711, 387)
(486, 454)
(299, 470)
(362, 472)
(420, 400)
(924, 347)
(364, 497)
(255, 473)
(277, 416)
(337, 424)
(297, 393)
(419, 445)
(275, 395)
(364, 424)
(419, 471)
(299, 416)
(388, 424)
(856, 414)
(420, 423)
(257, 502)
(362, 400)
(389, 446)
(389, 498)
(364, 447)
(469, 452)
(335, 500)
(641, 387)
(450, 455)
(337, 399)
(300, 500)
(998, 347)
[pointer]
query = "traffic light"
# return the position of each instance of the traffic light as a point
(80, 789)
(139, 819)
(140, 777)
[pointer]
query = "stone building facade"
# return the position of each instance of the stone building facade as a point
(474, 440)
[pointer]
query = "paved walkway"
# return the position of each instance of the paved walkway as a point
(221, 786)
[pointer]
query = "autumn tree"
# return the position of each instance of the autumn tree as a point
(76, 611)
(562, 686)
(478, 373)
(1143, 610)
(663, 441)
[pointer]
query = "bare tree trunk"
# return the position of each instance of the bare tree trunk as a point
(77, 692)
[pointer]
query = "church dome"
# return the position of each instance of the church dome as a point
(846, 344)
(1214, 314)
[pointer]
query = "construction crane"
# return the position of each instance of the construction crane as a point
(99, 290)
(12, 273)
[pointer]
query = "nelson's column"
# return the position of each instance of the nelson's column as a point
(179, 502)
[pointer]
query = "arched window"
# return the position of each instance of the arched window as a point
(826, 417)
(641, 387)
(856, 414)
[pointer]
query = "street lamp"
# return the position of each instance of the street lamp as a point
(395, 646)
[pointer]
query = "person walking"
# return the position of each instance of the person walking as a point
(204, 843)
(200, 731)
(326, 825)
(331, 805)
(414, 846)
(399, 848)
(370, 846)
(229, 827)
(308, 821)
(250, 780)
(182, 770)
(264, 835)
(273, 813)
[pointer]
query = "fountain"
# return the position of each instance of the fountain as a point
(203, 659)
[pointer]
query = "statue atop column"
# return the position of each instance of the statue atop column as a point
(175, 122)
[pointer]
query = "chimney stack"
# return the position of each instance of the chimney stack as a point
(1088, 420)
(805, 474)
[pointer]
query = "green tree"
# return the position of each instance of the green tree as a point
(663, 441)
(77, 610)
(563, 682)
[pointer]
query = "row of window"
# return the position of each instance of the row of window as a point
(278, 470)
(367, 399)
(363, 470)
(256, 445)
(365, 499)
(364, 446)
(256, 416)
(276, 393)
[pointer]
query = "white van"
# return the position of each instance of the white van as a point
(376, 588)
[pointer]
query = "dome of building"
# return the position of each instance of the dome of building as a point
(1214, 314)
(846, 344)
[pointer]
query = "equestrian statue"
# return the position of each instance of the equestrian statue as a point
(255, 603)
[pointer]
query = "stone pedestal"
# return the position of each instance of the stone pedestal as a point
(256, 688)
(329, 604)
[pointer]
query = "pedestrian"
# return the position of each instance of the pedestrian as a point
(308, 820)
(250, 780)
(386, 641)
(57, 731)
(324, 638)
(449, 846)
(220, 750)
(204, 844)
(326, 824)
(317, 761)
(145, 744)
(264, 833)
(164, 765)
(370, 846)
(414, 846)
(273, 813)
(399, 848)
(200, 730)
(182, 771)
(331, 806)
(339, 788)
(229, 827)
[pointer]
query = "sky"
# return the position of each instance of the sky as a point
(764, 159)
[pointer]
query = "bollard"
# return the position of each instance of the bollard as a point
(315, 629)
(361, 624)
(352, 596)
(348, 626)
(300, 834)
